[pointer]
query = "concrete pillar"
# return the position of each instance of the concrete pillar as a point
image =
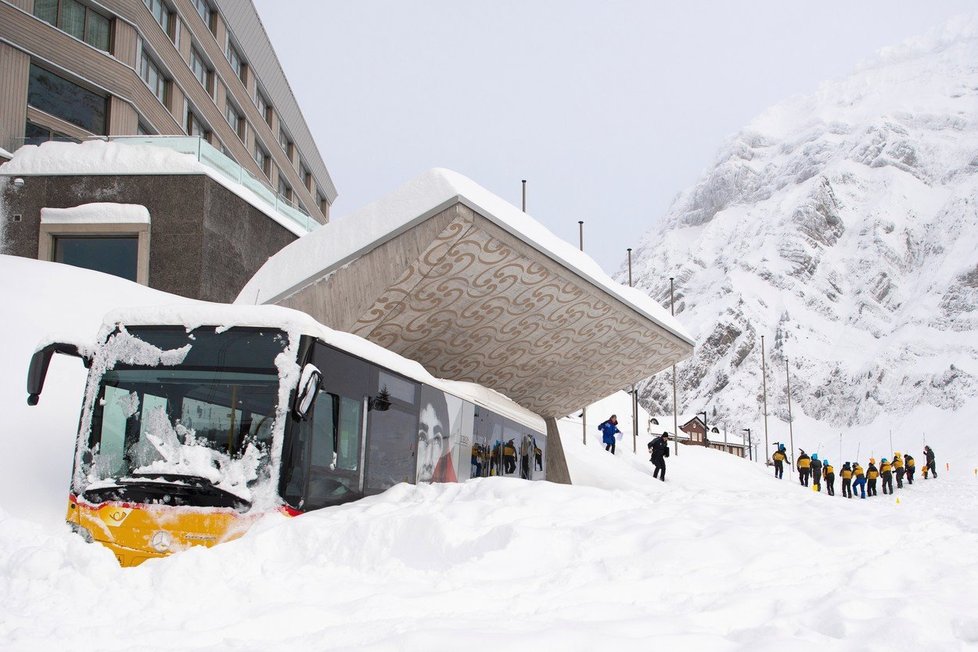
(557, 470)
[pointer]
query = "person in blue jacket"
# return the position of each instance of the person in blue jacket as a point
(608, 431)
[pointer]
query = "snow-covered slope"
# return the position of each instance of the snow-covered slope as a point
(842, 226)
(721, 556)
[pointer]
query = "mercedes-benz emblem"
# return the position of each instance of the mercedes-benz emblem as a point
(161, 541)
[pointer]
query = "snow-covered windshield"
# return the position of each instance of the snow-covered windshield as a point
(205, 422)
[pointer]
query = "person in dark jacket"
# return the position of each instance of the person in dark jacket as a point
(828, 472)
(886, 474)
(779, 457)
(804, 467)
(659, 448)
(608, 431)
(816, 473)
(872, 473)
(846, 475)
(931, 464)
(910, 465)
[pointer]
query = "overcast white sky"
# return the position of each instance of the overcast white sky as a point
(607, 108)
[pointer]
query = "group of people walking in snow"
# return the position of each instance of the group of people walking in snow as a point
(853, 475)
(658, 447)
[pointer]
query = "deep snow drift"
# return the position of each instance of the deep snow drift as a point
(720, 557)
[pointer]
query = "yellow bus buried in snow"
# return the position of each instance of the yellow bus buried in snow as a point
(199, 419)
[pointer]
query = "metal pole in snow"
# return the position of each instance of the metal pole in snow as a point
(524, 195)
(634, 387)
(767, 453)
(580, 229)
(675, 404)
(791, 432)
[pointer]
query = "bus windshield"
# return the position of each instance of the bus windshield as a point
(204, 422)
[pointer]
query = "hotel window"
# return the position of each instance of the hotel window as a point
(194, 126)
(263, 106)
(234, 119)
(235, 60)
(151, 74)
(203, 10)
(37, 134)
(285, 142)
(263, 160)
(66, 100)
(306, 177)
(284, 189)
(199, 66)
(163, 16)
(74, 18)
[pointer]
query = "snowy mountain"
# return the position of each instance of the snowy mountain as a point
(843, 226)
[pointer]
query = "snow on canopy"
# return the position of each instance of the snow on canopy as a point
(339, 242)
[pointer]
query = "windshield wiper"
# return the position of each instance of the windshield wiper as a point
(197, 482)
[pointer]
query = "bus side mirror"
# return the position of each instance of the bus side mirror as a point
(40, 361)
(309, 382)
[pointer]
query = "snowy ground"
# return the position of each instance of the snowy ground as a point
(720, 557)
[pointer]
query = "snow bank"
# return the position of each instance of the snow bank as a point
(96, 213)
(721, 556)
(343, 240)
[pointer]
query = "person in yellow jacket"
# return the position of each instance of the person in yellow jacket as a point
(924, 469)
(886, 474)
(779, 457)
(804, 467)
(898, 470)
(846, 474)
(828, 472)
(911, 465)
(872, 473)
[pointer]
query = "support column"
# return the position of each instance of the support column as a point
(557, 470)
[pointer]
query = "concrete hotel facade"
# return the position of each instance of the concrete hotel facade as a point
(73, 69)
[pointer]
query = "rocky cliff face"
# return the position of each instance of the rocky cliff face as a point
(843, 227)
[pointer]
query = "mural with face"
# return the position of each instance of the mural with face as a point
(435, 446)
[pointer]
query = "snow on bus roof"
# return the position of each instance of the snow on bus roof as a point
(343, 240)
(195, 314)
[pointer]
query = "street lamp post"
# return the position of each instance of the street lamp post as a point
(750, 451)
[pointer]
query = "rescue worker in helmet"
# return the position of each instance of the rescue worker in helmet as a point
(898, 469)
(860, 478)
(886, 473)
(910, 465)
(816, 473)
(804, 467)
(828, 472)
(779, 457)
(872, 473)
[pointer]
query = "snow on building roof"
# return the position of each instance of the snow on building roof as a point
(96, 213)
(5, 154)
(98, 157)
(343, 240)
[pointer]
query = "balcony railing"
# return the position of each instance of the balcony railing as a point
(210, 156)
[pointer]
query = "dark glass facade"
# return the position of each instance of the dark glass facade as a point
(66, 100)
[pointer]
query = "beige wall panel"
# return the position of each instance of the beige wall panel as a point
(125, 44)
(26, 5)
(123, 118)
(14, 77)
